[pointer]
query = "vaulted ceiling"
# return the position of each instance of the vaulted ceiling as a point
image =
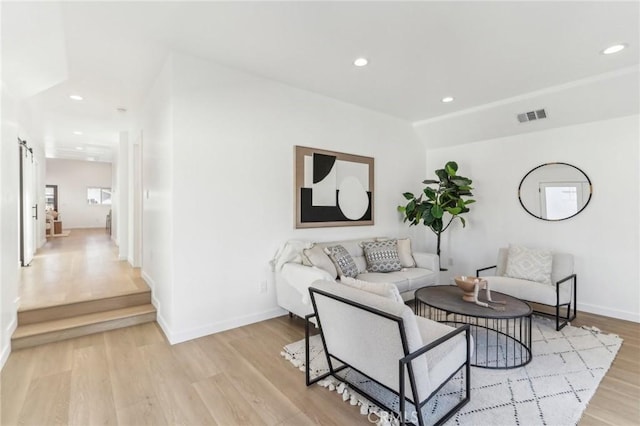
(477, 52)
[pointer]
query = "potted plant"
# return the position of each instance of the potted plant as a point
(442, 201)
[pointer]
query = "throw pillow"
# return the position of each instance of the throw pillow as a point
(318, 258)
(388, 290)
(529, 264)
(382, 256)
(405, 254)
(342, 260)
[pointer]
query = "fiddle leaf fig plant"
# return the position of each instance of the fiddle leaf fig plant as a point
(440, 203)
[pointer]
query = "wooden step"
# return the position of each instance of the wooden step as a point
(55, 330)
(84, 307)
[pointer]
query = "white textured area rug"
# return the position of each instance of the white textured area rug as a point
(553, 389)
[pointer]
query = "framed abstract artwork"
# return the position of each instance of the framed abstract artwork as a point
(332, 188)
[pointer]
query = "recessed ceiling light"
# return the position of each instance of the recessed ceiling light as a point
(77, 132)
(76, 97)
(91, 159)
(79, 148)
(614, 49)
(360, 62)
(447, 99)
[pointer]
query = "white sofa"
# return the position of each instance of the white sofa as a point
(293, 277)
(390, 339)
(561, 293)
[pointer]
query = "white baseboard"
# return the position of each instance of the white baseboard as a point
(6, 344)
(608, 312)
(122, 257)
(205, 330)
(147, 279)
(4, 355)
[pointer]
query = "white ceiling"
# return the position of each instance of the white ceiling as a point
(478, 52)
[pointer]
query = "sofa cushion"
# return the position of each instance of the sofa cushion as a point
(416, 277)
(529, 290)
(382, 256)
(316, 256)
(342, 260)
(388, 290)
(386, 277)
(529, 264)
(444, 359)
(405, 254)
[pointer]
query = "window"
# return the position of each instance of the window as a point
(97, 196)
(51, 197)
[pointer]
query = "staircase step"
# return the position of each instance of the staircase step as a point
(61, 329)
(84, 307)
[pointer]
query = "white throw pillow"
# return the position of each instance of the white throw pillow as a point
(388, 290)
(318, 258)
(529, 264)
(405, 253)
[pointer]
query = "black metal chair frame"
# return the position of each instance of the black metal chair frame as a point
(403, 363)
(566, 318)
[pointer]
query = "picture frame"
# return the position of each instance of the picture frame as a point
(333, 188)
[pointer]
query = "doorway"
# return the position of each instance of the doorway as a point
(28, 203)
(51, 197)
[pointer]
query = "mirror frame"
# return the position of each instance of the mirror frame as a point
(550, 164)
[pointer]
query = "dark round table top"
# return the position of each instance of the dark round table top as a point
(449, 298)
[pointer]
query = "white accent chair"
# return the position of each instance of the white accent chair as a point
(560, 294)
(383, 340)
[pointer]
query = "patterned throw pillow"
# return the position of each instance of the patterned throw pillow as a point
(382, 256)
(342, 260)
(529, 264)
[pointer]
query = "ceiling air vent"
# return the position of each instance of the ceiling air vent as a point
(532, 115)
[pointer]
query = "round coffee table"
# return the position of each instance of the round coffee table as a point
(502, 338)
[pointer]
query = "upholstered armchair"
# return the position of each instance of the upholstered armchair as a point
(538, 276)
(384, 341)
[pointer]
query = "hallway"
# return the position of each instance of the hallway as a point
(82, 266)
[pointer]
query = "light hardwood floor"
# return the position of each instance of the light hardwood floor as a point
(132, 376)
(82, 266)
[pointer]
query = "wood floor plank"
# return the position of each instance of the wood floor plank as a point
(144, 412)
(93, 402)
(47, 402)
(299, 419)
(194, 361)
(147, 334)
(226, 404)
(53, 358)
(14, 385)
(129, 377)
(179, 400)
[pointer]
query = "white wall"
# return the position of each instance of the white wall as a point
(73, 177)
(134, 191)
(232, 203)
(157, 203)
(9, 220)
(603, 238)
(121, 193)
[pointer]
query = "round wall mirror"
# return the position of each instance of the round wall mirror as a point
(555, 191)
